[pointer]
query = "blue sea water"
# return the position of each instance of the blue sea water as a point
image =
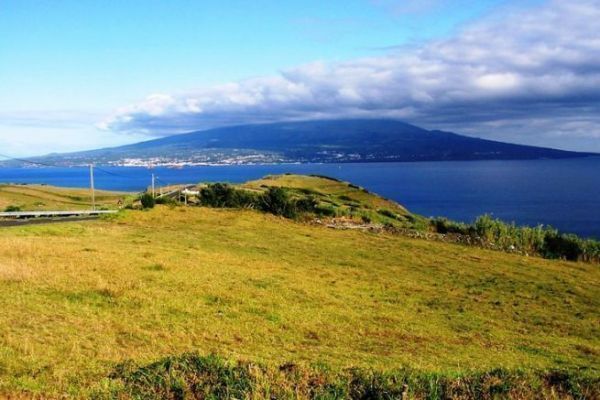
(561, 193)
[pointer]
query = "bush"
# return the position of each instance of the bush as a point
(562, 246)
(216, 195)
(165, 200)
(591, 250)
(147, 201)
(306, 204)
(387, 213)
(12, 208)
(221, 195)
(543, 241)
(326, 210)
(277, 201)
(274, 200)
(444, 226)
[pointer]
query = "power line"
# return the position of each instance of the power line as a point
(23, 160)
(27, 161)
(126, 176)
(161, 181)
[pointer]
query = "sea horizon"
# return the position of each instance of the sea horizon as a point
(520, 191)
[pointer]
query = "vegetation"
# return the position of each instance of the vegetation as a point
(194, 376)
(274, 200)
(224, 195)
(79, 298)
(541, 240)
(295, 196)
(147, 200)
(328, 197)
(165, 200)
(308, 310)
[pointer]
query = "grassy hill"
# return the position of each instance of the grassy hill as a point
(43, 197)
(341, 193)
(79, 299)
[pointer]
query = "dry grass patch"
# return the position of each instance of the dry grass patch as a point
(15, 272)
(43, 197)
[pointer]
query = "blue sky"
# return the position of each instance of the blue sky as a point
(83, 74)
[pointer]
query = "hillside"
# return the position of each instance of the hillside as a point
(44, 197)
(80, 298)
(327, 141)
(335, 198)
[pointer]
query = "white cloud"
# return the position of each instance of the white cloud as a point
(542, 64)
(38, 132)
(502, 81)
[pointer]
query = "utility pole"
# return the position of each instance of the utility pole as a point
(92, 187)
(153, 191)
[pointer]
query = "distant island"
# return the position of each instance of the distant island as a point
(324, 141)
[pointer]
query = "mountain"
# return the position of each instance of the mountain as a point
(358, 140)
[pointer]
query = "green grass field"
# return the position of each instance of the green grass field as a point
(43, 197)
(79, 298)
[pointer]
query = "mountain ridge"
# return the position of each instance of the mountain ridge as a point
(326, 141)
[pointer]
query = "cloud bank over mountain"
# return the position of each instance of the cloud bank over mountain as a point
(529, 76)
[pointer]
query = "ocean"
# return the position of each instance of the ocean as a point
(562, 193)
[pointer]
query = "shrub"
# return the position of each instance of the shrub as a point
(274, 200)
(444, 226)
(277, 201)
(543, 241)
(326, 210)
(306, 191)
(165, 200)
(12, 208)
(306, 204)
(216, 195)
(591, 250)
(387, 213)
(223, 195)
(565, 246)
(147, 200)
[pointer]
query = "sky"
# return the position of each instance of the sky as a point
(84, 74)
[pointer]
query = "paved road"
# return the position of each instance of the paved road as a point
(39, 221)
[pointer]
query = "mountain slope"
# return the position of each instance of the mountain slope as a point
(315, 141)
